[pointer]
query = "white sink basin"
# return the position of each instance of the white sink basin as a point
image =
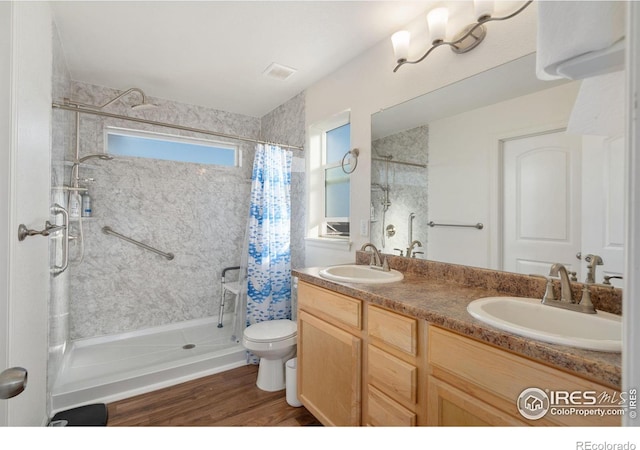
(530, 318)
(352, 273)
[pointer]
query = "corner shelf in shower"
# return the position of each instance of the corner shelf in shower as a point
(77, 219)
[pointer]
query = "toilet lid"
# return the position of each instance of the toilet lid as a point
(271, 330)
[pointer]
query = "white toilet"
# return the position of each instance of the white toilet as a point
(274, 341)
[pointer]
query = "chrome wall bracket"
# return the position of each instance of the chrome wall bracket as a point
(49, 228)
(24, 232)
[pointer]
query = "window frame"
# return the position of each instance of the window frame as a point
(325, 167)
(166, 137)
(316, 182)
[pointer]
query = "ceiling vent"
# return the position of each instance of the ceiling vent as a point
(279, 72)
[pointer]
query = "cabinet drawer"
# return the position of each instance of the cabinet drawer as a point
(393, 329)
(382, 411)
(392, 375)
(328, 304)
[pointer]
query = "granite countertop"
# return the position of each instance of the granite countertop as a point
(444, 303)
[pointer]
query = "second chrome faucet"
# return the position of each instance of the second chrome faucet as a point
(566, 298)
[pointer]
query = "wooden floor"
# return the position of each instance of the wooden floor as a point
(226, 399)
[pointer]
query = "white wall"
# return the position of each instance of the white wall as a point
(368, 84)
(464, 170)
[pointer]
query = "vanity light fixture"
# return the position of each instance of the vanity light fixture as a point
(468, 39)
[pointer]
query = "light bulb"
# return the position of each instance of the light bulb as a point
(400, 41)
(483, 9)
(437, 19)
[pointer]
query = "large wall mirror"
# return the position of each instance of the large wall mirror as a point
(504, 171)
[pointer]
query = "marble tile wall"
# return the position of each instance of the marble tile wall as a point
(285, 124)
(407, 189)
(198, 212)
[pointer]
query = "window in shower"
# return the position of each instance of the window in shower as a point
(144, 144)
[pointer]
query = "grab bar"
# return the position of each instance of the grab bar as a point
(109, 230)
(57, 209)
(478, 225)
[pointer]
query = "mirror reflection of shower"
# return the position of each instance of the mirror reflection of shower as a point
(398, 191)
(385, 201)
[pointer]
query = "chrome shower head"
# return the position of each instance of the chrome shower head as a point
(143, 106)
(101, 156)
(136, 107)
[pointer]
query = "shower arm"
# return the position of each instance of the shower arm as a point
(119, 96)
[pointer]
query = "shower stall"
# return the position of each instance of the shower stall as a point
(126, 316)
(137, 308)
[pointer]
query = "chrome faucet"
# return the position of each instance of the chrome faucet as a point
(607, 278)
(412, 245)
(565, 285)
(594, 261)
(376, 258)
(566, 298)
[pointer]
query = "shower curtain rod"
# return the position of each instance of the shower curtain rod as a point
(404, 163)
(168, 125)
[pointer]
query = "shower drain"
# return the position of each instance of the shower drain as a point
(188, 346)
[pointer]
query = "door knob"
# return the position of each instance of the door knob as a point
(12, 382)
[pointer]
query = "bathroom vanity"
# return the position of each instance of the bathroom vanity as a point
(408, 353)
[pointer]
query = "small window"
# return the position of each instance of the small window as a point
(142, 144)
(337, 143)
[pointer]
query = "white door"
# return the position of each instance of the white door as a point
(25, 116)
(603, 195)
(541, 203)
(5, 145)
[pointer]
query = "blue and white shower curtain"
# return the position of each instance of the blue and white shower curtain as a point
(268, 235)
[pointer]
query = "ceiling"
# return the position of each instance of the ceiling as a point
(214, 53)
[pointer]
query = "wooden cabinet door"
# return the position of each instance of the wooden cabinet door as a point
(448, 406)
(329, 371)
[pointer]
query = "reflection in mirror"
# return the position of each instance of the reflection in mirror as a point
(398, 185)
(538, 163)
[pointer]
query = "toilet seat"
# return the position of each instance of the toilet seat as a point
(271, 331)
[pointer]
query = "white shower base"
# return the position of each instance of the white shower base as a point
(110, 368)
